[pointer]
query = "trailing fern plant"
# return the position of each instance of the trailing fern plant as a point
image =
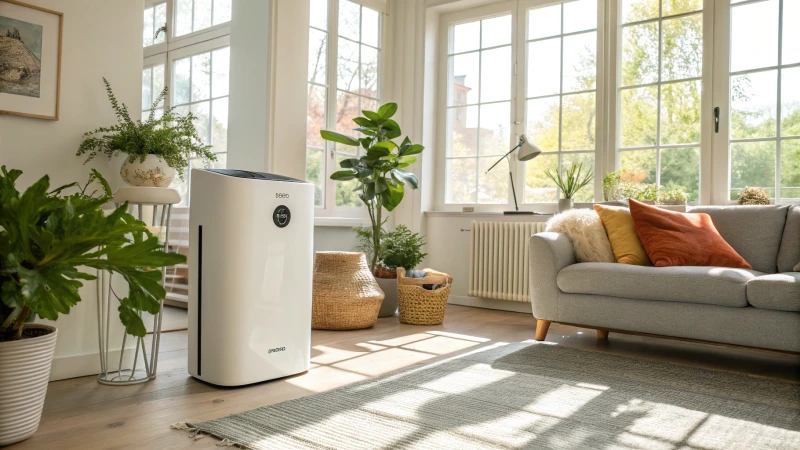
(172, 137)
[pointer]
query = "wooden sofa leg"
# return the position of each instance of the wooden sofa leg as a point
(602, 334)
(541, 329)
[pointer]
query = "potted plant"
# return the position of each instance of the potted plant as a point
(381, 180)
(753, 196)
(570, 182)
(47, 241)
(156, 149)
(673, 196)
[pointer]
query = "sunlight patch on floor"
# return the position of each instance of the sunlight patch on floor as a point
(563, 401)
(378, 363)
(326, 376)
(440, 345)
(332, 355)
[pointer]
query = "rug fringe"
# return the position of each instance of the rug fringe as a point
(194, 432)
(226, 443)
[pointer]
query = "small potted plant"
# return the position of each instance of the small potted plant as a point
(753, 196)
(156, 148)
(570, 182)
(47, 241)
(399, 248)
(673, 196)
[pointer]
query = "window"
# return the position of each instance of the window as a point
(155, 22)
(343, 79)
(196, 15)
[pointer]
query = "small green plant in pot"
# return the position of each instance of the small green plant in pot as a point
(570, 182)
(47, 241)
(156, 148)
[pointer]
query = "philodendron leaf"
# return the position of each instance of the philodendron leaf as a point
(47, 292)
(343, 175)
(130, 318)
(387, 110)
(339, 138)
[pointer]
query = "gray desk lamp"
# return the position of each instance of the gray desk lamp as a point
(527, 151)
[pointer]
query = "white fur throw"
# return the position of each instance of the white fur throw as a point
(587, 233)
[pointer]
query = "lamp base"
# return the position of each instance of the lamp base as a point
(514, 213)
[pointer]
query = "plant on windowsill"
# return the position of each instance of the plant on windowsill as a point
(156, 148)
(753, 196)
(624, 184)
(570, 182)
(47, 239)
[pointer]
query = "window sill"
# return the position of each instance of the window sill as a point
(340, 222)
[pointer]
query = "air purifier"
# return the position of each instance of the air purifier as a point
(250, 273)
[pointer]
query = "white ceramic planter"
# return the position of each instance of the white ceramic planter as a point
(565, 204)
(389, 288)
(152, 172)
(24, 373)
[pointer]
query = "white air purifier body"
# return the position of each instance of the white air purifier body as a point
(250, 274)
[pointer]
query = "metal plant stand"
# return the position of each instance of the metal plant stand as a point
(113, 372)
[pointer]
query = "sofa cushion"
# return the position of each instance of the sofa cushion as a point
(709, 285)
(778, 291)
(621, 233)
(789, 254)
(755, 232)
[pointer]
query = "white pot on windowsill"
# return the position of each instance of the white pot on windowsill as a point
(152, 172)
(565, 204)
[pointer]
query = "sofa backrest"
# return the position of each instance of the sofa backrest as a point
(755, 232)
(789, 254)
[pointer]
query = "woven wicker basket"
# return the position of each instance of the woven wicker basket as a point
(419, 306)
(345, 294)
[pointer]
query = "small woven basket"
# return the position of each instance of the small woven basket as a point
(419, 306)
(345, 294)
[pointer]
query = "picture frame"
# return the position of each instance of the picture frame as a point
(30, 60)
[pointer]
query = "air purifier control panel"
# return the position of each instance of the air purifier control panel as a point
(281, 216)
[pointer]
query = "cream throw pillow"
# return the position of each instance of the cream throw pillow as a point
(584, 228)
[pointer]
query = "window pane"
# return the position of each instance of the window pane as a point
(202, 120)
(367, 104)
(495, 121)
(680, 167)
(640, 54)
(319, 14)
(462, 124)
(201, 76)
(370, 26)
(349, 20)
(160, 21)
(183, 17)
(347, 66)
(580, 57)
(754, 104)
(544, 22)
(587, 159)
(673, 7)
(147, 31)
(496, 74)
(147, 83)
(466, 37)
(181, 89)
(638, 115)
(346, 110)
(222, 11)
(790, 169)
(752, 165)
(220, 79)
(496, 31)
(543, 119)
(790, 102)
(580, 15)
(680, 112)
(493, 186)
(578, 119)
(314, 173)
(464, 79)
(461, 177)
(544, 59)
(219, 127)
(158, 84)
(641, 164)
(682, 49)
(369, 71)
(539, 188)
(636, 10)
(202, 14)
(754, 35)
(317, 55)
(791, 33)
(315, 117)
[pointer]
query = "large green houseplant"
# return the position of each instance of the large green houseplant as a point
(49, 244)
(156, 148)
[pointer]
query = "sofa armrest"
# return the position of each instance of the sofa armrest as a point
(549, 253)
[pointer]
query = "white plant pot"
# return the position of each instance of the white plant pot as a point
(24, 373)
(153, 172)
(565, 204)
(389, 288)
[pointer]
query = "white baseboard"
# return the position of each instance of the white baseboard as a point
(72, 366)
(479, 302)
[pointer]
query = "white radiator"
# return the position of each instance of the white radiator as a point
(499, 259)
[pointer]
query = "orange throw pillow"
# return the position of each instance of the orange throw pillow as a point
(682, 239)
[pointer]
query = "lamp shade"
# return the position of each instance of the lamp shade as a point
(527, 150)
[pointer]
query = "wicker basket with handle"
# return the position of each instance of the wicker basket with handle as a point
(419, 306)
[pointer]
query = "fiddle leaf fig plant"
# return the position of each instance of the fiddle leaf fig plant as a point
(381, 180)
(48, 240)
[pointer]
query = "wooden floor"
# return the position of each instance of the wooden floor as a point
(80, 413)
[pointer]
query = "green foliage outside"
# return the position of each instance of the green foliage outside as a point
(46, 238)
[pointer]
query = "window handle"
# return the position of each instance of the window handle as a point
(716, 119)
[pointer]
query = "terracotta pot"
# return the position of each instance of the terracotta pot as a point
(389, 288)
(24, 373)
(152, 172)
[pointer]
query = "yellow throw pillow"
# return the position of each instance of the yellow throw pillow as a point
(625, 243)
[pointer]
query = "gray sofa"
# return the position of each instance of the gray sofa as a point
(752, 308)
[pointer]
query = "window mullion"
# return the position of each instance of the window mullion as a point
(329, 159)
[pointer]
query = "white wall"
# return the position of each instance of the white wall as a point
(100, 38)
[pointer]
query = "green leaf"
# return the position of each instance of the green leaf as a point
(343, 175)
(392, 129)
(349, 163)
(412, 150)
(405, 161)
(364, 172)
(367, 131)
(387, 110)
(377, 152)
(130, 318)
(369, 191)
(392, 197)
(405, 177)
(388, 145)
(366, 142)
(373, 116)
(338, 138)
(364, 122)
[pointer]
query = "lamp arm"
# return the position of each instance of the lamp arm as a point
(501, 158)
